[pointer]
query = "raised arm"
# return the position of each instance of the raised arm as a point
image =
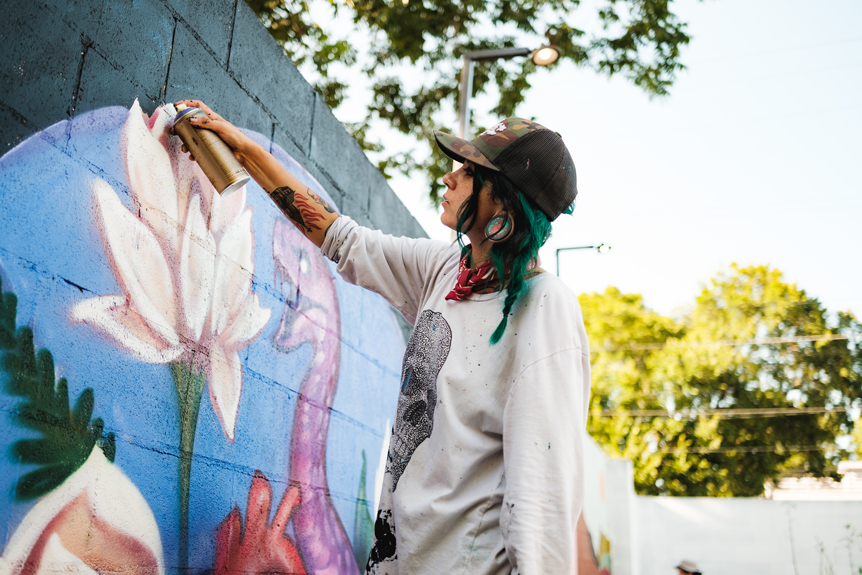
(310, 213)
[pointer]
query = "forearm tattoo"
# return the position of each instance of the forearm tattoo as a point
(321, 201)
(298, 208)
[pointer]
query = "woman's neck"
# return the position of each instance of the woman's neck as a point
(480, 250)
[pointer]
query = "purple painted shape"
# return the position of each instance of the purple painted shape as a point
(320, 535)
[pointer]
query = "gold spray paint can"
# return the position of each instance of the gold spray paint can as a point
(210, 152)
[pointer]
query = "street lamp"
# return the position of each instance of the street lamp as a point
(543, 56)
(600, 248)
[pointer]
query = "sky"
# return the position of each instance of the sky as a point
(752, 159)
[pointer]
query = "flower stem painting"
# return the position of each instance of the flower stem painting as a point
(212, 385)
(187, 299)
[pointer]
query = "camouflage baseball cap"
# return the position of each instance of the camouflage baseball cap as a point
(530, 155)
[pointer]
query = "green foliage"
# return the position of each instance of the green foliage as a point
(644, 361)
(857, 437)
(639, 39)
(67, 435)
(363, 525)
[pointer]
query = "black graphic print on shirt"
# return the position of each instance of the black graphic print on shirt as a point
(426, 353)
(384, 541)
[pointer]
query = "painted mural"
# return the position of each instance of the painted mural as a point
(591, 561)
(187, 384)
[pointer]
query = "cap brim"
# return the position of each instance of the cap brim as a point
(461, 150)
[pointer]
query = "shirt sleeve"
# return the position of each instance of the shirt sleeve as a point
(544, 425)
(397, 268)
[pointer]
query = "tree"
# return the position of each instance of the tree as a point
(643, 361)
(639, 39)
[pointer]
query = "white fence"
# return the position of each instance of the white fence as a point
(724, 536)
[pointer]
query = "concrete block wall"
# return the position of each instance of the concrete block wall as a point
(62, 58)
(186, 386)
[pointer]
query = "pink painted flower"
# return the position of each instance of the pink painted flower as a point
(184, 260)
(94, 522)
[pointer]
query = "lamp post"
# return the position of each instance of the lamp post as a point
(543, 56)
(600, 248)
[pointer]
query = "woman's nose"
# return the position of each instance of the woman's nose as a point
(449, 181)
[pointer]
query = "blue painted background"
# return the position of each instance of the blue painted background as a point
(49, 244)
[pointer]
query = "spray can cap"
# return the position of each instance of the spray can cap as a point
(183, 110)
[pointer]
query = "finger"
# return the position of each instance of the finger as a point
(185, 150)
(216, 125)
(228, 540)
(289, 501)
(259, 502)
(200, 105)
(191, 103)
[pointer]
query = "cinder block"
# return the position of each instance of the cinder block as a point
(258, 62)
(414, 228)
(387, 211)
(85, 16)
(14, 128)
(380, 203)
(212, 21)
(102, 84)
(338, 155)
(39, 58)
(282, 139)
(135, 38)
(195, 74)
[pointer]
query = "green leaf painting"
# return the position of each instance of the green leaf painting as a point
(66, 435)
(363, 527)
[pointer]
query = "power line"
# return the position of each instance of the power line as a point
(747, 449)
(728, 413)
(810, 301)
(731, 342)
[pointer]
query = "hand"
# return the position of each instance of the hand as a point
(261, 547)
(230, 134)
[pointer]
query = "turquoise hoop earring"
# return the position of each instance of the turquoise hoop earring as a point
(499, 228)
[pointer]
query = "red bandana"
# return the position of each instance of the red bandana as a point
(470, 278)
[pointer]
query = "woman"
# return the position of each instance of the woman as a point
(485, 466)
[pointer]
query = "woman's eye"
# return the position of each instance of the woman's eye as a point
(469, 172)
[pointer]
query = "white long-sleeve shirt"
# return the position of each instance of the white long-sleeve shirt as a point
(485, 468)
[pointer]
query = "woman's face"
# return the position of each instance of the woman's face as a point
(459, 186)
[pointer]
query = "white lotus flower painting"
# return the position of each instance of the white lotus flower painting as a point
(184, 260)
(187, 296)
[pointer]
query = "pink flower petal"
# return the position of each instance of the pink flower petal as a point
(197, 269)
(225, 384)
(151, 179)
(160, 123)
(234, 268)
(247, 324)
(190, 181)
(138, 261)
(113, 316)
(226, 209)
(56, 558)
(113, 506)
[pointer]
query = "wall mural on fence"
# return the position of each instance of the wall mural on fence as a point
(590, 560)
(129, 288)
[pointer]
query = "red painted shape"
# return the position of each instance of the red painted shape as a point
(261, 547)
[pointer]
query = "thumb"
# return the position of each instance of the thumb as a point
(207, 123)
